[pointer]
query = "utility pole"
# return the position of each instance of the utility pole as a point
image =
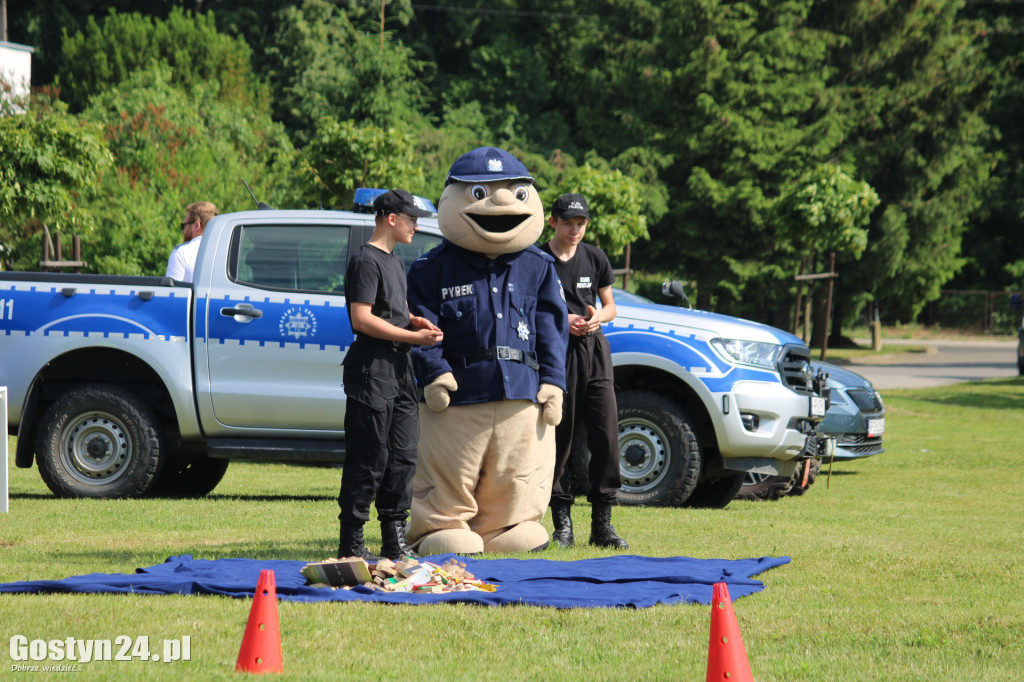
(3, 21)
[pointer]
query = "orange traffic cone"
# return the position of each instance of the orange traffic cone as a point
(727, 659)
(261, 644)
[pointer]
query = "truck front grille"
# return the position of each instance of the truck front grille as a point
(860, 444)
(795, 368)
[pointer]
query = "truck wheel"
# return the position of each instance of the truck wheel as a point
(764, 487)
(813, 467)
(189, 477)
(660, 458)
(716, 494)
(99, 441)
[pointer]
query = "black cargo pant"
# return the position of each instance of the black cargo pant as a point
(590, 401)
(382, 430)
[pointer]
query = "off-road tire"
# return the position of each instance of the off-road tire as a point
(659, 455)
(716, 494)
(189, 477)
(764, 487)
(99, 440)
(814, 466)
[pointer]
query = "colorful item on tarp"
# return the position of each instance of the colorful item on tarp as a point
(615, 581)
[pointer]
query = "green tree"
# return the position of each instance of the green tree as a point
(614, 78)
(915, 85)
(716, 108)
(257, 22)
(48, 157)
(826, 211)
(735, 95)
(620, 205)
(344, 155)
(42, 24)
(510, 82)
(993, 236)
(107, 51)
(169, 153)
(463, 128)
(320, 65)
(613, 199)
(746, 97)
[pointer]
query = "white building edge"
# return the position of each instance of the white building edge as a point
(15, 70)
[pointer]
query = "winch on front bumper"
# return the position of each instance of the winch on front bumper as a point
(819, 445)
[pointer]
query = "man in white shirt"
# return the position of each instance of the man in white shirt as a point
(182, 262)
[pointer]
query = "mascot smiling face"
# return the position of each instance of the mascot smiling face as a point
(493, 387)
(489, 204)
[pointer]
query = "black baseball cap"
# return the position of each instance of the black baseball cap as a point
(569, 206)
(399, 201)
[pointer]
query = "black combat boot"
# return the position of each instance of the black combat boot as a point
(352, 543)
(393, 545)
(602, 533)
(561, 515)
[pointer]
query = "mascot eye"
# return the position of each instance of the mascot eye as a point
(521, 192)
(479, 192)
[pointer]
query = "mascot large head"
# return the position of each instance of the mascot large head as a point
(489, 204)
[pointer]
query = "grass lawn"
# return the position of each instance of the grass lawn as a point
(905, 566)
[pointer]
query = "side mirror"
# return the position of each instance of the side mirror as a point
(675, 289)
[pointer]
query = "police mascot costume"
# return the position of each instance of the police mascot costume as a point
(493, 387)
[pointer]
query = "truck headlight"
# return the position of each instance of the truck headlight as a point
(748, 352)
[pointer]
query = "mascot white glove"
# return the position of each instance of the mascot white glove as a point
(437, 392)
(550, 398)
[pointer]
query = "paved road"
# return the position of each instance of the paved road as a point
(944, 362)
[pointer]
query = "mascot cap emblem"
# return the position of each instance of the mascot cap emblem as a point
(487, 164)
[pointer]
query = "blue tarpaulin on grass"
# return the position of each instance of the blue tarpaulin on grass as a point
(614, 581)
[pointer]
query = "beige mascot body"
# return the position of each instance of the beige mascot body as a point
(493, 387)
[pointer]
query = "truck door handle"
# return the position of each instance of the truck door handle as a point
(243, 309)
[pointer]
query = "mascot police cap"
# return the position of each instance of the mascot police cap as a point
(487, 164)
(489, 204)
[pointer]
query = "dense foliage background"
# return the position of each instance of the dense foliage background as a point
(726, 142)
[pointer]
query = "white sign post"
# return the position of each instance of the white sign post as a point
(3, 450)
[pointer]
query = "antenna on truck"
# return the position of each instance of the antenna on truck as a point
(259, 204)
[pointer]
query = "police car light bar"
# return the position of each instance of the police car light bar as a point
(366, 195)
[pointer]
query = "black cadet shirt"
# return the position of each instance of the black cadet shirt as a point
(582, 276)
(378, 278)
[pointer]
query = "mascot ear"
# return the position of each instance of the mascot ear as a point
(550, 398)
(436, 393)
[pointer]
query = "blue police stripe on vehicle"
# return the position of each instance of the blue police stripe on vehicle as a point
(88, 312)
(693, 354)
(201, 318)
(277, 327)
(727, 383)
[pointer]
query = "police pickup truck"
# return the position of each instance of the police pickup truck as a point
(124, 386)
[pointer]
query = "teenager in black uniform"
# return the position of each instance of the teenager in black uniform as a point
(586, 276)
(382, 409)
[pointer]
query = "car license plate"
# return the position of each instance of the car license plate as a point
(876, 427)
(817, 406)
